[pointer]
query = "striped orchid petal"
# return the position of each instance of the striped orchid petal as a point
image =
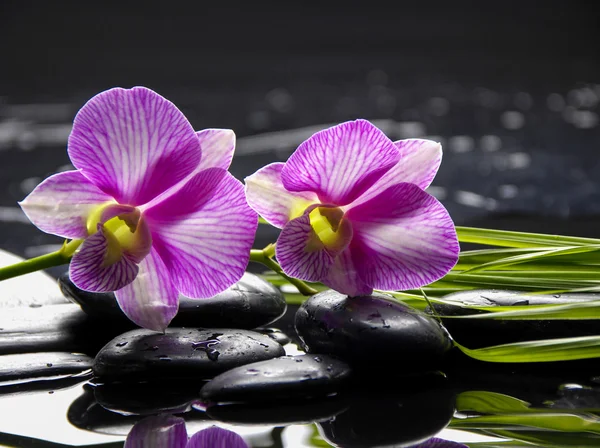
(343, 275)
(403, 239)
(100, 266)
(133, 144)
(151, 300)
(158, 431)
(266, 194)
(204, 239)
(419, 163)
(217, 147)
(300, 252)
(340, 163)
(215, 437)
(62, 203)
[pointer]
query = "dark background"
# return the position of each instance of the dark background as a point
(510, 88)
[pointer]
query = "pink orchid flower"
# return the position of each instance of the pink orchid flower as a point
(169, 431)
(353, 211)
(152, 201)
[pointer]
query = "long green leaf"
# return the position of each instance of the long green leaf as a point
(547, 350)
(577, 310)
(506, 238)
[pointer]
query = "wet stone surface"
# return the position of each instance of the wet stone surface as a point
(62, 327)
(181, 353)
(42, 365)
(371, 330)
(281, 378)
(274, 333)
(476, 333)
(251, 302)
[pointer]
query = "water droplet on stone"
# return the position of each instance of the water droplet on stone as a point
(121, 344)
(49, 364)
(164, 358)
(316, 358)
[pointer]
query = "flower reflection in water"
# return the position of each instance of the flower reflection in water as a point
(165, 430)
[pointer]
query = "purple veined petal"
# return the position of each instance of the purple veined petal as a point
(344, 277)
(340, 163)
(89, 271)
(204, 233)
(266, 194)
(217, 147)
(133, 144)
(300, 253)
(215, 437)
(419, 162)
(151, 300)
(403, 239)
(436, 442)
(158, 431)
(61, 204)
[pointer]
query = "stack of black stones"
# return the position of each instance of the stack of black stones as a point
(368, 371)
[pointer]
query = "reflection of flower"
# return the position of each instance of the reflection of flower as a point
(439, 443)
(353, 211)
(152, 200)
(164, 431)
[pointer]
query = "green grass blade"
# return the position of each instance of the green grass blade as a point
(506, 238)
(570, 311)
(547, 350)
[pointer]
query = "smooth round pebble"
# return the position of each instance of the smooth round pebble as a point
(371, 330)
(276, 379)
(181, 353)
(251, 302)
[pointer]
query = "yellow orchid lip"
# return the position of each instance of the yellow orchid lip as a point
(330, 227)
(124, 233)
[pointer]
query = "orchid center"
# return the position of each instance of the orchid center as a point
(125, 233)
(328, 223)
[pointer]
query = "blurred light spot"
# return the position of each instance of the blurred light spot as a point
(487, 98)
(436, 138)
(289, 289)
(576, 98)
(523, 101)
(584, 119)
(408, 129)
(461, 143)
(438, 106)
(384, 98)
(512, 119)
(259, 120)
(508, 191)
(490, 143)
(280, 100)
(67, 167)
(440, 193)
(27, 185)
(377, 78)
(27, 141)
(518, 160)
(54, 134)
(589, 97)
(13, 214)
(555, 102)
(39, 112)
(471, 199)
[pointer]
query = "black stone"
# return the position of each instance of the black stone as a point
(371, 330)
(148, 398)
(277, 379)
(402, 414)
(36, 365)
(275, 333)
(52, 328)
(181, 353)
(294, 412)
(477, 333)
(252, 302)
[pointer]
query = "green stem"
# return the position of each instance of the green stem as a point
(264, 257)
(58, 258)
